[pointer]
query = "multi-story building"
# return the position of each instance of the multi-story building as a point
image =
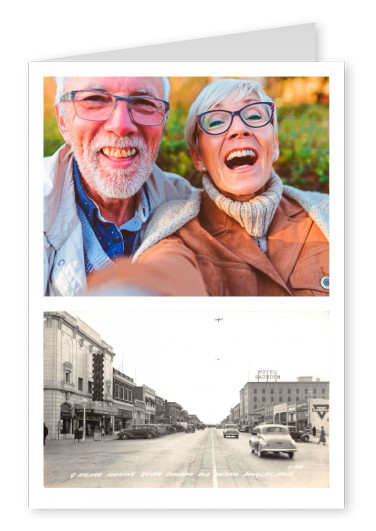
(174, 412)
(123, 387)
(160, 409)
(235, 414)
(254, 396)
(193, 419)
(70, 379)
(146, 395)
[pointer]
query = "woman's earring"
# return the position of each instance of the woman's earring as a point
(203, 168)
(273, 158)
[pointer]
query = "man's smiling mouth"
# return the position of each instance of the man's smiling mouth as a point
(119, 153)
(241, 158)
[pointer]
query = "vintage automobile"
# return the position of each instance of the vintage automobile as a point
(145, 431)
(230, 430)
(299, 435)
(190, 428)
(273, 438)
(170, 429)
(243, 428)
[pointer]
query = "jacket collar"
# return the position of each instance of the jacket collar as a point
(287, 234)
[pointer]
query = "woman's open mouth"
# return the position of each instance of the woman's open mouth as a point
(241, 158)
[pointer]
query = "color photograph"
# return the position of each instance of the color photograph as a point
(186, 186)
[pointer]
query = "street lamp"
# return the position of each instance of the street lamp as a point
(84, 402)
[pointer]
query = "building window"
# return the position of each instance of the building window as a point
(263, 391)
(289, 391)
(289, 399)
(67, 377)
(297, 391)
(255, 399)
(314, 391)
(280, 392)
(323, 391)
(306, 391)
(272, 398)
(255, 391)
(80, 384)
(90, 387)
(272, 391)
(263, 399)
(280, 399)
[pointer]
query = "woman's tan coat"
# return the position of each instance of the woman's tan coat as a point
(213, 255)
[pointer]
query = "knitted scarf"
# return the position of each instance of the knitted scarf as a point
(255, 215)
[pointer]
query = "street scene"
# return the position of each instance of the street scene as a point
(189, 417)
(203, 459)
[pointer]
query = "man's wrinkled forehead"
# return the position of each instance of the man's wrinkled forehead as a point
(128, 86)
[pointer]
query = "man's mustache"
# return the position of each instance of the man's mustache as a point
(100, 142)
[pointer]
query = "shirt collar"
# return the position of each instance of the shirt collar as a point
(142, 211)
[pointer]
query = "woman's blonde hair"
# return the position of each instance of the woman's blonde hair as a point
(216, 92)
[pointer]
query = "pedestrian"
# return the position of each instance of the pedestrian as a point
(102, 431)
(45, 433)
(314, 431)
(322, 436)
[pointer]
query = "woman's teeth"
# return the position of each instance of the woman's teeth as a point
(241, 158)
(119, 153)
(241, 153)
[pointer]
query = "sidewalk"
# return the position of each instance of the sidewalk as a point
(89, 440)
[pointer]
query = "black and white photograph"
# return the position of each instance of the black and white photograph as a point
(248, 406)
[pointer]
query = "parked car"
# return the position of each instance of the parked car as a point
(230, 430)
(299, 435)
(170, 429)
(145, 431)
(190, 429)
(161, 428)
(243, 428)
(178, 427)
(272, 438)
(200, 427)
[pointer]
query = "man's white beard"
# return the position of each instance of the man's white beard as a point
(115, 183)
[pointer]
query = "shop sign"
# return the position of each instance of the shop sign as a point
(320, 409)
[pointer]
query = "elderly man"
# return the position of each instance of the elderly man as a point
(102, 186)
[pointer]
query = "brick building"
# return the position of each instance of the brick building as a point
(123, 387)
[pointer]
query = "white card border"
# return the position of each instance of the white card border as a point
(333, 497)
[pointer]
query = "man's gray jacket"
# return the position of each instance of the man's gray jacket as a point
(64, 263)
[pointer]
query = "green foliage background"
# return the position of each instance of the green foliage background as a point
(303, 131)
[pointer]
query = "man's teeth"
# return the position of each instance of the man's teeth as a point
(119, 153)
(241, 153)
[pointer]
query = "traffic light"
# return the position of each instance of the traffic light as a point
(98, 374)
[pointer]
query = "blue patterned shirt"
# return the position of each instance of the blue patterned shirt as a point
(115, 241)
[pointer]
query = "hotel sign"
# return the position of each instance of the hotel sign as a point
(267, 374)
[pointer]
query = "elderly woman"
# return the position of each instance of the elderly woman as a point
(246, 233)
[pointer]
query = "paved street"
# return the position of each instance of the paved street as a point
(203, 459)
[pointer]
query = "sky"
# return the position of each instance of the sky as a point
(202, 363)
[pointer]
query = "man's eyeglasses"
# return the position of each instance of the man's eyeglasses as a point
(253, 115)
(98, 106)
